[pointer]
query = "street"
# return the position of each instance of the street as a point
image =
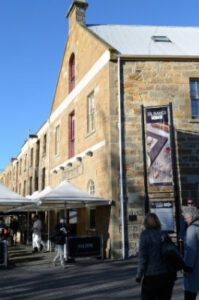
(32, 276)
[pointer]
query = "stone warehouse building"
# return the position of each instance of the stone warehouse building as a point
(96, 133)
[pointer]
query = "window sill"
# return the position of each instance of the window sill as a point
(196, 120)
(90, 133)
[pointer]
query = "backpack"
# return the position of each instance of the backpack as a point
(171, 255)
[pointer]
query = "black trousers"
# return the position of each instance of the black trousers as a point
(157, 287)
(189, 295)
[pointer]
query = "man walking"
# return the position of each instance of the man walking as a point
(36, 234)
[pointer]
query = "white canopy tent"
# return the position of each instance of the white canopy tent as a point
(62, 197)
(11, 200)
(67, 194)
(36, 195)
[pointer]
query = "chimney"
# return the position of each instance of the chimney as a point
(76, 12)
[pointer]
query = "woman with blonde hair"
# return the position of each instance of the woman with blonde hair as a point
(157, 281)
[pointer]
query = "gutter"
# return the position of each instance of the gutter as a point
(157, 57)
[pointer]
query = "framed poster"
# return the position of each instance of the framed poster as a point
(164, 211)
(158, 146)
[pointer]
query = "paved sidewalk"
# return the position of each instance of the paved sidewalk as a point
(32, 276)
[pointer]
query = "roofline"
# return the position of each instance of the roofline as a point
(157, 57)
(97, 37)
(145, 25)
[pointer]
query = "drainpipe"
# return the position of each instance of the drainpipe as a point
(121, 162)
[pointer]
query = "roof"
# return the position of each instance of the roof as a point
(139, 40)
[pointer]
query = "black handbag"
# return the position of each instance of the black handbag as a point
(171, 255)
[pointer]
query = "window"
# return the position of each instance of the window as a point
(37, 153)
(30, 186)
(92, 218)
(91, 187)
(43, 181)
(161, 38)
(194, 93)
(24, 188)
(71, 131)
(31, 157)
(90, 113)
(20, 166)
(92, 211)
(44, 144)
(36, 183)
(25, 162)
(72, 72)
(72, 216)
(57, 139)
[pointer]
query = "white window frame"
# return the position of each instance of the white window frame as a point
(57, 139)
(91, 113)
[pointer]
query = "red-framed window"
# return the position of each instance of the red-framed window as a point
(71, 131)
(72, 72)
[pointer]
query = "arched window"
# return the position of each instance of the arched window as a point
(91, 187)
(72, 72)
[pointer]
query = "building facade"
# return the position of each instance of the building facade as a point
(95, 135)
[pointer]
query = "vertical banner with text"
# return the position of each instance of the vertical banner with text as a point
(158, 146)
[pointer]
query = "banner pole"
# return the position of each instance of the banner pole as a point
(145, 164)
(175, 170)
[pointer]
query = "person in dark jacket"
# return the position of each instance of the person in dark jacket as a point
(4, 231)
(59, 237)
(157, 280)
(184, 225)
(191, 258)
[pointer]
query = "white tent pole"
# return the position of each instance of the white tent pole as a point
(65, 245)
(48, 243)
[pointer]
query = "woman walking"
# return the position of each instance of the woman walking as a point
(60, 234)
(157, 281)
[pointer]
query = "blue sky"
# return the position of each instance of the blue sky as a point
(32, 40)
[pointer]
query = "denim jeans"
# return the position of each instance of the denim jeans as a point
(59, 254)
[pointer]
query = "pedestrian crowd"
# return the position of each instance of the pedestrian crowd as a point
(158, 275)
(159, 258)
(59, 235)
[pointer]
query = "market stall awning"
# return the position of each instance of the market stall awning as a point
(36, 195)
(68, 194)
(11, 200)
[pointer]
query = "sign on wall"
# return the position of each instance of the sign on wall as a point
(158, 146)
(164, 211)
